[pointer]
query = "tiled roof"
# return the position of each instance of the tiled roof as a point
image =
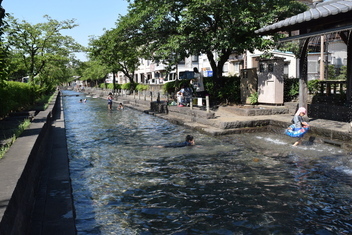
(320, 10)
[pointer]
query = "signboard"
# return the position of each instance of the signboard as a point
(207, 73)
(187, 75)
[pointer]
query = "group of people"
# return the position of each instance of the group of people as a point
(298, 129)
(110, 99)
(184, 95)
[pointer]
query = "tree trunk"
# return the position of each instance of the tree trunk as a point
(113, 81)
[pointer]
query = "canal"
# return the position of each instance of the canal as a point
(125, 182)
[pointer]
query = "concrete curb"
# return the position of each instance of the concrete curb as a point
(21, 172)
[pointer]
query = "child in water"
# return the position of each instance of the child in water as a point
(189, 141)
(299, 123)
(120, 107)
(110, 101)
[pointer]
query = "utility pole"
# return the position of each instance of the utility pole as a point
(322, 39)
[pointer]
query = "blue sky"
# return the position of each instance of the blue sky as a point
(91, 16)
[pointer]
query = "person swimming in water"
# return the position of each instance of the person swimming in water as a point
(189, 141)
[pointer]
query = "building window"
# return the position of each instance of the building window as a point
(225, 69)
(286, 69)
(237, 67)
(312, 66)
(344, 61)
(270, 68)
(261, 67)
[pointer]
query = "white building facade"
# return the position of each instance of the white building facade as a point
(151, 72)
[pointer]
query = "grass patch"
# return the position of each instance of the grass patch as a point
(43, 103)
(16, 133)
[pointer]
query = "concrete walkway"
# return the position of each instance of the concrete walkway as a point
(53, 211)
(36, 196)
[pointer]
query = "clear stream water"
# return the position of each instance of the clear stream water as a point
(123, 183)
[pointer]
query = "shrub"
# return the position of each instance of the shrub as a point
(17, 96)
(253, 99)
(171, 87)
(128, 86)
(142, 87)
(313, 86)
(227, 89)
(291, 89)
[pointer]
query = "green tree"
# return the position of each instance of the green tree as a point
(115, 50)
(3, 50)
(217, 28)
(343, 73)
(330, 72)
(41, 47)
(93, 70)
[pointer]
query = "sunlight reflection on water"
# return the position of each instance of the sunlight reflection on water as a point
(238, 184)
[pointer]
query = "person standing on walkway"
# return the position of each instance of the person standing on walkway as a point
(197, 83)
(110, 101)
(179, 96)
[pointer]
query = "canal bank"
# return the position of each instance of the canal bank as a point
(124, 185)
(35, 194)
(226, 120)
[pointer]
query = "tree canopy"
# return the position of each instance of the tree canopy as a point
(93, 70)
(41, 50)
(173, 30)
(115, 50)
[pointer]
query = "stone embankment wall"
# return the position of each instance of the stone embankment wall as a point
(20, 171)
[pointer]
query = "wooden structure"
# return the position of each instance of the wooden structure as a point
(323, 18)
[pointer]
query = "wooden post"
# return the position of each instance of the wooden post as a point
(303, 68)
(349, 69)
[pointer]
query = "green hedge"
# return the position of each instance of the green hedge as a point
(15, 96)
(227, 89)
(142, 87)
(110, 86)
(172, 87)
(291, 88)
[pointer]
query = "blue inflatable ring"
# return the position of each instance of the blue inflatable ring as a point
(296, 132)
